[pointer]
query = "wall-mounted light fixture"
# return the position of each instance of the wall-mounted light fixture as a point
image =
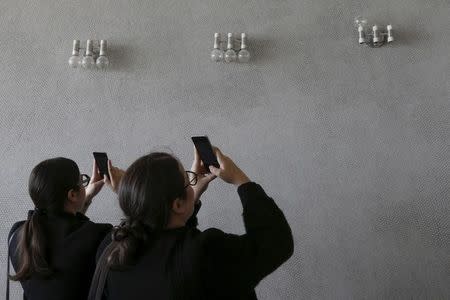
(376, 38)
(230, 55)
(94, 55)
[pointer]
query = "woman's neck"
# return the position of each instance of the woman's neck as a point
(175, 222)
(70, 209)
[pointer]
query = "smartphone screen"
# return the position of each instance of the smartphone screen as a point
(102, 163)
(205, 151)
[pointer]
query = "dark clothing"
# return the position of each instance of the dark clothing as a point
(186, 263)
(72, 243)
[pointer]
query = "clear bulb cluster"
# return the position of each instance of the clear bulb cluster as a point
(91, 58)
(230, 54)
(376, 38)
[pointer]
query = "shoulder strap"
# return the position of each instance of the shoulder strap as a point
(101, 272)
(8, 262)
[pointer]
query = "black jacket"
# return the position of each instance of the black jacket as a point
(72, 243)
(185, 263)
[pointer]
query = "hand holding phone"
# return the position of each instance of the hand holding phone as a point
(205, 150)
(229, 171)
(101, 159)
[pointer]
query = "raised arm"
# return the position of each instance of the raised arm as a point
(241, 261)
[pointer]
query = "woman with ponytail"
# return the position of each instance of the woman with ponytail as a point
(158, 253)
(53, 251)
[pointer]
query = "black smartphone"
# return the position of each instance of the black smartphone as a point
(102, 163)
(205, 151)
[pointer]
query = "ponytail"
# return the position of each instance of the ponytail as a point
(127, 239)
(32, 248)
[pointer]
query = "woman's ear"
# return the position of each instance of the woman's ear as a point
(72, 204)
(179, 206)
(72, 196)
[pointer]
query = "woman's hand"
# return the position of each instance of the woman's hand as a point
(203, 176)
(115, 176)
(228, 170)
(95, 184)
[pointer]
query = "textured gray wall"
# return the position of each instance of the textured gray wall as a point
(352, 142)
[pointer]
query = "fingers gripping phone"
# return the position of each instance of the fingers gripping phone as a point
(205, 151)
(101, 159)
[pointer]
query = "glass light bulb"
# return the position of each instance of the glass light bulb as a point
(376, 35)
(244, 56)
(362, 37)
(74, 61)
(88, 62)
(360, 21)
(230, 55)
(216, 55)
(102, 62)
(390, 36)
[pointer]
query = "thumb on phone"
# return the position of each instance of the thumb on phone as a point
(110, 180)
(110, 167)
(215, 171)
(106, 180)
(219, 156)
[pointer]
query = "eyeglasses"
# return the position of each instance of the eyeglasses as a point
(84, 180)
(192, 178)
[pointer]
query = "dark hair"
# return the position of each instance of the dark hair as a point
(146, 194)
(48, 186)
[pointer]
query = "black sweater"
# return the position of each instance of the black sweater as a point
(72, 243)
(185, 263)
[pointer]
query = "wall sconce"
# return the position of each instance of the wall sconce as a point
(376, 38)
(230, 55)
(93, 56)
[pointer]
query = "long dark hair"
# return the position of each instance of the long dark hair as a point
(146, 194)
(48, 185)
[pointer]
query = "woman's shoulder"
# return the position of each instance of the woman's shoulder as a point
(83, 219)
(212, 233)
(98, 229)
(101, 226)
(15, 228)
(211, 238)
(13, 235)
(89, 232)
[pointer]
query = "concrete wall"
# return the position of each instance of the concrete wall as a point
(352, 142)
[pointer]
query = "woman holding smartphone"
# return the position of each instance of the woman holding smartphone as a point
(53, 251)
(158, 253)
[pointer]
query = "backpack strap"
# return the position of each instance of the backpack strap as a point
(100, 275)
(8, 261)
